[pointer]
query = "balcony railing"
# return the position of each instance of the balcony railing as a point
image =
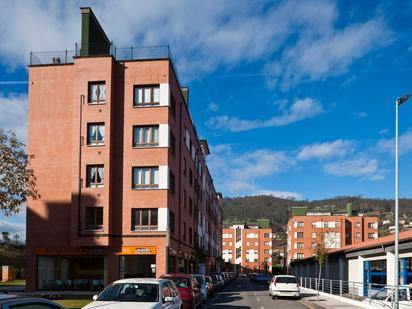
(120, 54)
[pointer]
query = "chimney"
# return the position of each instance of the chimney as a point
(94, 40)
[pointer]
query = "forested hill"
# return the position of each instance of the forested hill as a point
(278, 210)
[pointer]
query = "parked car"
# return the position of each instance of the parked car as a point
(252, 276)
(242, 275)
(382, 298)
(204, 287)
(188, 288)
(284, 286)
(218, 282)
(10, 301)
(139, 292)
(262, 278)
(211, 285)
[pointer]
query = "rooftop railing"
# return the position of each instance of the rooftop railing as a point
(120, 54)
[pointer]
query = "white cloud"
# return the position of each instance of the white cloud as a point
(213, 107)
(299, 110)
(203, 35)
(13, 114)
(281, 194)
(315, 57)
(356, 167)
(236, 173)
(338, 148)
(405, 143)
(384, 131)
(361, 115)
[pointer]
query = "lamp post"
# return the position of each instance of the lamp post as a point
(399, 101)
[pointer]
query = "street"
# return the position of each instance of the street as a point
(244, 294)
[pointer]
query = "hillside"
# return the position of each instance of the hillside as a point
(250, 208)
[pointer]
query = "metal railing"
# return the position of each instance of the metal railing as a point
(120, 54)
(375, 294)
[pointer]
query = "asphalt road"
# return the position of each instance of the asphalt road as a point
(244, 294)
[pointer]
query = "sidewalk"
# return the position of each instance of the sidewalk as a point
(310, 299)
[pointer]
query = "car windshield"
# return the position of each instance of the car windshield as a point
(131, 292)
(180, 282)
(286, 280)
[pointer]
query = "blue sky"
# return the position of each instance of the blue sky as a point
(296, 98)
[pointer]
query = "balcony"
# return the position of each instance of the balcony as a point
(120, 54)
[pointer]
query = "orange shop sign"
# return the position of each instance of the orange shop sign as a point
(131, 250)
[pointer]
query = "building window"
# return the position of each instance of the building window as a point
(256, 243)
(173, 105)
(313, 235)
(357, 235)
(299, 255)
(268, 243)
(145, 177)
(144, 219)
(371, 235)
(184, 231)
(95, 176)
(184, 166)
(190, 235)
(190, 206)
(184, 199)
(266, 235)
(266, 251)
(172, 143)
(95, 133)
(357, 224)
(146, 95)
(247, 243)
(299, 234)
(372, 225)
(190, 176)
(94, 218)
(299, 245)
(172, 182)
(300, 224)
(145, 136)
(172, 222)
(97, 92)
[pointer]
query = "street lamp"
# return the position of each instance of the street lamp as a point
(399, 101)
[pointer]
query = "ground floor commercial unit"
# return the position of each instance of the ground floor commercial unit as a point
(91, 268)
(369, 265)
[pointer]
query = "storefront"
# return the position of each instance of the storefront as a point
(74, 269)
(137, 262)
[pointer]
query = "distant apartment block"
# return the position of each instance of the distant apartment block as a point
(247, 248)
(333, 228)
(125, 189)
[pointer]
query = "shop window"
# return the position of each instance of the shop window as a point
(78, 273)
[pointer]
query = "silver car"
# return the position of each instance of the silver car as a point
(138, 293)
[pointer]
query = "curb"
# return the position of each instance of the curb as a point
(312, 304)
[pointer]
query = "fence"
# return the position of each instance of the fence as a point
(120, 54)
(379, 295)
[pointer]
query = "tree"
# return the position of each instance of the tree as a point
(320, 254)
(17, 180)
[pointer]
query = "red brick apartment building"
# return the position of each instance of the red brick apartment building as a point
(247, 248)
(125, 189)
(335, 229)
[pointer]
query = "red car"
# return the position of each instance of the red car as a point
(188, 288)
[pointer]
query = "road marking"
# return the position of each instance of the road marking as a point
(254, 293)
(258, 299)
(261, 307)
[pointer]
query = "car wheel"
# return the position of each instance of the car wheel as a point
(274, 296)
(297, 297)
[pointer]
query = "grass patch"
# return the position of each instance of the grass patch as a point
(73, 303)
(14, 282)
